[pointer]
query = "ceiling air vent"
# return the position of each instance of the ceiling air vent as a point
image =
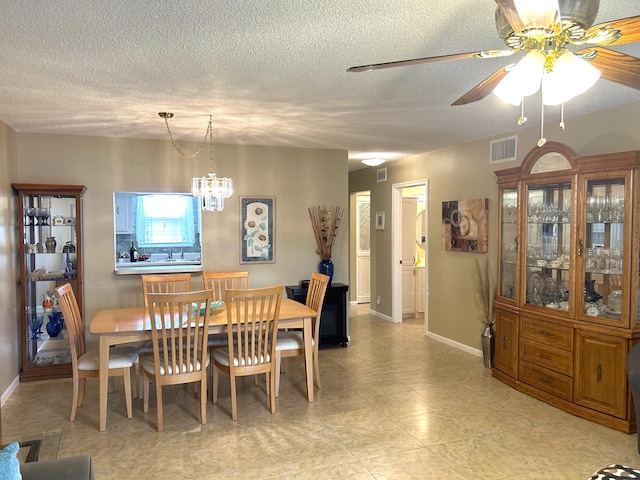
(504, 150)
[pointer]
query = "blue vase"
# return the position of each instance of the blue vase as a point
(326, 267)
(54, 326)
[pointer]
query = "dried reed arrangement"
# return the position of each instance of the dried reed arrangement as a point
(484, 290)
(325, 222)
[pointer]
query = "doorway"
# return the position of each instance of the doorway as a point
(363, 247)
(410, 253)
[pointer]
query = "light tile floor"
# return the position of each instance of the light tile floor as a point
(393, 404)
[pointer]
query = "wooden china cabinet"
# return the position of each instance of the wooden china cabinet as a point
(50, 253)
(567, 302)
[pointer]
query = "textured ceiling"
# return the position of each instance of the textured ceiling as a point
(270, 72)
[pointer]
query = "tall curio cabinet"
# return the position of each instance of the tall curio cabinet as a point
(50, 251)
(567, 302)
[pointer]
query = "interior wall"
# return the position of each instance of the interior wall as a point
(297, 178)
(9, 350)
(464, 172)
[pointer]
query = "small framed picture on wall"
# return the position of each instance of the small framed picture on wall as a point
(379, 220)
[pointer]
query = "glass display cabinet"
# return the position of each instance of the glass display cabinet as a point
(567, 298)
(50, 231)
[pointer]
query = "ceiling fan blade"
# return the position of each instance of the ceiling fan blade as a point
(441, 58)
(629, 29)
(615, 66)
(483, 89)
(510, 12)
(415, 61)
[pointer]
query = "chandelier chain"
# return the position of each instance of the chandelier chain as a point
(191, 155)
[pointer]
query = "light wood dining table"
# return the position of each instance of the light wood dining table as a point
(125, 325)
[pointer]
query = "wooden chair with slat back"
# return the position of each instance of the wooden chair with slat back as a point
(220, 282)
(161, 283)
(85, 364)
(165, 283)
(291, 343)
(179, 330)
(252, 324)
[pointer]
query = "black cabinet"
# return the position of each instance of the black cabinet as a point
(333, 321)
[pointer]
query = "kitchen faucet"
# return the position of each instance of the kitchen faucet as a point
(169, 252)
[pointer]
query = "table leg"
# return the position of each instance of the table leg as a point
(308, 357)
(104, 380)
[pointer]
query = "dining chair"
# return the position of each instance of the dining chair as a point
(252, 324)
(179, 330)
(220, 282)
(290, 343)
(161, 283)
(85, 363)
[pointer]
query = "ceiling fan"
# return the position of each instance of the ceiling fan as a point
(553, 34)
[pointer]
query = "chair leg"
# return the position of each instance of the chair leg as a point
(272, 389)
(74, 400)
(214, 394)
(234, 404)
(127, 391)
(159, 401)
(316, 367)
(82, 383)
(145, 395)
(203, 399)
(277, 372)
(140, 378)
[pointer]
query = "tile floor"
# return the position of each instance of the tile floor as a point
(394, 404)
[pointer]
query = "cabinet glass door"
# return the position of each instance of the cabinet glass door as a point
(50, 259)
(548, 245)
(508, 242)
(602, 249)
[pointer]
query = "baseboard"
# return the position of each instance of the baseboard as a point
(7, 393)
(458, 345)
(381, 315)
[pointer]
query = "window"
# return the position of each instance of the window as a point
(163, 220)
(165, 228)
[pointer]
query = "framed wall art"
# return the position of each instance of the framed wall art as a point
(257, 229)
(379, 220)
(464, 225)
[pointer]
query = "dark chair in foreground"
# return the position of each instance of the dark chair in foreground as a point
(633, 373)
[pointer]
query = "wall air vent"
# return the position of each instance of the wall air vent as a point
(503, 150)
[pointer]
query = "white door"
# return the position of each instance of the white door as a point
(363, 245)
(409, 208)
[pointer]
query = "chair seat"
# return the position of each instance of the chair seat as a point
(119, 357)
(290, 340)
(218, 340)
(145, 347)
(148, 364)
(221, 355)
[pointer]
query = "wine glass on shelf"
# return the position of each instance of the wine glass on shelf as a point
(30, 212)
(511, 210)
(42, 215)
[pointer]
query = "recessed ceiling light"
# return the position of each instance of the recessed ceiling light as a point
(373, 162)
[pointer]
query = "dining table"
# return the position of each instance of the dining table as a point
(116, 326)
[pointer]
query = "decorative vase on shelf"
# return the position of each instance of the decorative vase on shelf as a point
(326, 267)
(51, 244)
(488, 345)
(54, 325)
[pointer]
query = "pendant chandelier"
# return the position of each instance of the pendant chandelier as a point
(211, 189)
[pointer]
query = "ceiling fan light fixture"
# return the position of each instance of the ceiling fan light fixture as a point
(570, 77)
(523, 80)
(538, 15)
(373, 162)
